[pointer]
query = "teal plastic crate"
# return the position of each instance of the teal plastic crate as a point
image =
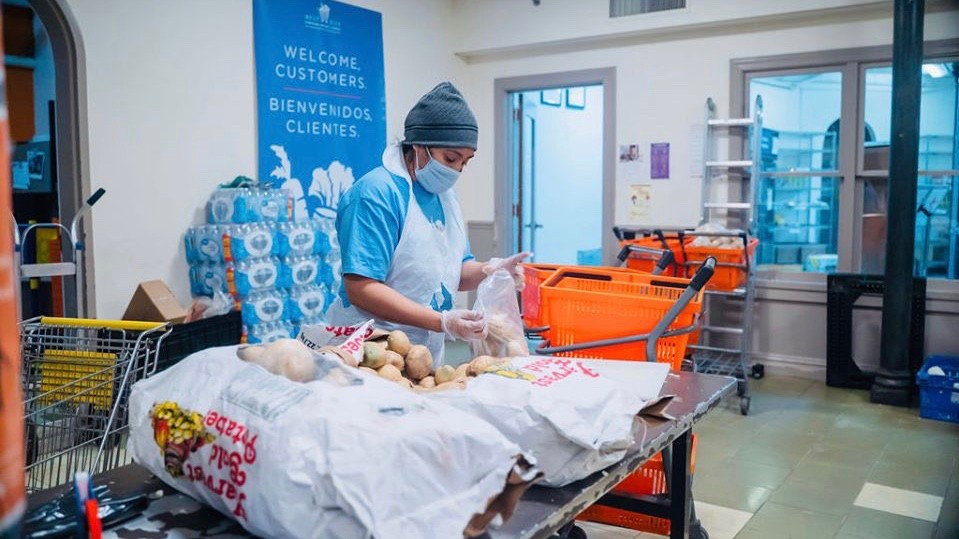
(939, 394)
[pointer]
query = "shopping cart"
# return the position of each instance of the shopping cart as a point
(77, 375)
(589, 312)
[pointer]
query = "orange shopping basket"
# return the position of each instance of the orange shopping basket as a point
(534, 315)
(597, 313)
(637, 259)
(534, 276)
(732, 265)
(650, 478)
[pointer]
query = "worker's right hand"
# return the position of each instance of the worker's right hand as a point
(461, 324)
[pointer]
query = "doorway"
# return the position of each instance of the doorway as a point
(555, 166)
(43, 61)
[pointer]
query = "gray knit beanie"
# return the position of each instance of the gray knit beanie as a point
(441, 118)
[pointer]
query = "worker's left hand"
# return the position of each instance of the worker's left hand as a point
(512, 265)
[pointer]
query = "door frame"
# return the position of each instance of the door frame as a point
(70, 128)
(502, 136)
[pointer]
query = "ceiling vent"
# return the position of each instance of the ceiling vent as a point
(625, 8)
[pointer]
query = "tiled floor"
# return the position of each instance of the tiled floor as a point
(820, 462)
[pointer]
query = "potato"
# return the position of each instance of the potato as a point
(419, 362)
(444, 374)
(458, 384)
(395, 359)
(479, 364)
(405, 382)
(374, 355)
(428, 381)
(288, 357)
(398, 342)
(390, 372)
(369, 370)
(462, 371)
(250, 353)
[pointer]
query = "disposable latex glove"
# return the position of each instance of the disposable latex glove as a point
(512, 265)
(463, 324)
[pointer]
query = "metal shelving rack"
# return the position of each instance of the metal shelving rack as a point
(715, 354)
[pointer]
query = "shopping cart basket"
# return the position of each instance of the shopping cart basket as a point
(77, 375)
(651, 239)
(618, 315)
(732, 265)
(534, 315)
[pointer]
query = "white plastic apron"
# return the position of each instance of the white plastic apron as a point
(426, 268)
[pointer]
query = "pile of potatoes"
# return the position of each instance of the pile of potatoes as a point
(411, 365)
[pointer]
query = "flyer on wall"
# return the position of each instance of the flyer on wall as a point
(321, 102)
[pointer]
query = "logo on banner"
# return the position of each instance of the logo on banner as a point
(322, 21)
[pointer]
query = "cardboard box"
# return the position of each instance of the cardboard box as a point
(154, 302)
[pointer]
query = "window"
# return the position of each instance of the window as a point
(798, 196)
(937, 223)
(820, 200)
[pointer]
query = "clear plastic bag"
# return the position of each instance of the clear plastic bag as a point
(496, 298)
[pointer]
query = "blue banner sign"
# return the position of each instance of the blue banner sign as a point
(321, 104)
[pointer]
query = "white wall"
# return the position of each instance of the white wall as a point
(171, 113)
(498, 24)
(661, 89)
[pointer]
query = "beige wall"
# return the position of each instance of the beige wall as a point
(170, 101)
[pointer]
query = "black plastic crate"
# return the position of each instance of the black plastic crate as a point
(185, 339)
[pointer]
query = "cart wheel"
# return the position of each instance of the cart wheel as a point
(744, 405)
(577, 533)
(740, 388)
(758, 371)
(697, 531)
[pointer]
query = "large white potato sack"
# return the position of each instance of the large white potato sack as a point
(574, 416)
(348, 455)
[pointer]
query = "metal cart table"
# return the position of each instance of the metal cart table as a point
(541, 513)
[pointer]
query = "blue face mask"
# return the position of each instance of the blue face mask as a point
(435, 177)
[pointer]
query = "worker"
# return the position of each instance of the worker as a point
(403, 241)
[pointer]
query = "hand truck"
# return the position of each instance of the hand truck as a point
(77, 247)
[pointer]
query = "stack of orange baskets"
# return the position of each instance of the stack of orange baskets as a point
(732, 265)
(576, 304)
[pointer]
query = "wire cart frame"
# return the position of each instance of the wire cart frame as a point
(77, 375)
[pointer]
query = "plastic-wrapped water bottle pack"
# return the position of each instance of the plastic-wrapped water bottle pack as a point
(269, 332)
(265, 307)
(282, 272)
(249, 205)
(307, 303)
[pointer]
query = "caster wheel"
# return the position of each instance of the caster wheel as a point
(577, 533)
(744, 405)
(697, 531)
(758, 371)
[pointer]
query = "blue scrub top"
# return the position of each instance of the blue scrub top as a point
(370, 219)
